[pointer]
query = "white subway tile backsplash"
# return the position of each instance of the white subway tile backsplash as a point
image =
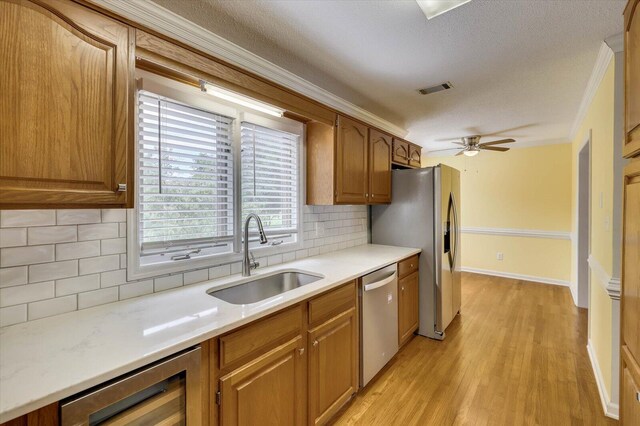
(15, 256)
(13, 276)
(219, 271)
(97, 231)
(13, 315)
(91, 269)
(113, 246)
(77, 250)
(78, 217)
(92, 265)
(53, 271)
(13, 237)
(114, 215)
(21, 218)
(52, 234)
(26, 293)
(50, 307)
(77, 284)
(127, 291)
(196, 276)
(111, 278)
(166, 283)
(97, 297)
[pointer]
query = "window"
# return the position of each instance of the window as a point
(185, 178)
(270, 180)
(203, 165)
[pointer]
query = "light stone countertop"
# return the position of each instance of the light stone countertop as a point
(52, 358)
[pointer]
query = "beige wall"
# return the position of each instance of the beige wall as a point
(522, 189)
(599, 122)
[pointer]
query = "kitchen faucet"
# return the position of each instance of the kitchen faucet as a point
(248, 265)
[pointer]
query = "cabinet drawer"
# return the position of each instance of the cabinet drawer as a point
(332, 303)
(407, 266)
(256, 338)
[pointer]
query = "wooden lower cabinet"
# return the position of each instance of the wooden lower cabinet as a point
(270, 390)
(407, 307)
(630, 395)
(333, 363)
(45, 416)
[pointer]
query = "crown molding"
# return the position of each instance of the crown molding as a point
(610, 284)
(616, 42)
(605, 54)
(511, 232)
(175, 26)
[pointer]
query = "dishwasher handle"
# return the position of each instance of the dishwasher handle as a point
(381, 283)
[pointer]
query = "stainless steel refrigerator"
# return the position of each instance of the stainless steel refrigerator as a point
(425, 213)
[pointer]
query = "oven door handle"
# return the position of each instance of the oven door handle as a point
(381, 283)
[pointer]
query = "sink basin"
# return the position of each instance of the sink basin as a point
(264, 287)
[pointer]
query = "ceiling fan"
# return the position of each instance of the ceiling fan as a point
(471, 146)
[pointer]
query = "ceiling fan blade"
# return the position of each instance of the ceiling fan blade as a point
(494, 148)
(498, 142)
(460, 153)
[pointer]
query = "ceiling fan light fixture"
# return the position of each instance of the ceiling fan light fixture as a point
(471, 152)
(433, 8)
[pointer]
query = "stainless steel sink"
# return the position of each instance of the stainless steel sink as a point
(264, 287)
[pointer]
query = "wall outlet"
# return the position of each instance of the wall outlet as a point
(500, 256)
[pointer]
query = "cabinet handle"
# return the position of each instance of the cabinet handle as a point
(366, 194)
(301, 351)
(315, 343)
(638, 396)
(411, 266)
(122, 187)
(402, 288)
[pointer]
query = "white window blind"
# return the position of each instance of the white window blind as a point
(186, 177)
(270, 179)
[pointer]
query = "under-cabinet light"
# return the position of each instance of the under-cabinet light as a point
(239, 99)
(433, 8)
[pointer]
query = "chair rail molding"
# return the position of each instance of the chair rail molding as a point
(610, 284)
(178, 28)
(514, 232)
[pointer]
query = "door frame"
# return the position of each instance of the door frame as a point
(583, 224)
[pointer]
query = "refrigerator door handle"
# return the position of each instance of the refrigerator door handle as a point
(456, 228)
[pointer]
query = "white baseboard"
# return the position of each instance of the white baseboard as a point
(542, 280)
(610, 409)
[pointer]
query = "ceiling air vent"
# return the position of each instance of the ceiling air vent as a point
(437, 88)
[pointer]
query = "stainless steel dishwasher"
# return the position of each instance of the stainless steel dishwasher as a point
(378, 321)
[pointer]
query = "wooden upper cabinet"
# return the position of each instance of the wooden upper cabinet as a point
(66, 93)
(380, 147)
(400, 151)
(632, 78)
(415, 156)
(352, 172)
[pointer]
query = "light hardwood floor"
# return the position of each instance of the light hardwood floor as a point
(516, 356)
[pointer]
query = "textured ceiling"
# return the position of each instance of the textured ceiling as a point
(520, 65)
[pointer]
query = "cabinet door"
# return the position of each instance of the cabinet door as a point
(632, 78)
(630, 299)
(400, 151)
(407, 307)
(352, 172)
(380, 147)
(415, 156)
(630, 406)
(65, 93)
(267, 391)
(333, 377)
